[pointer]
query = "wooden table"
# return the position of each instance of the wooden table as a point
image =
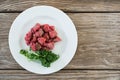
(98, 53)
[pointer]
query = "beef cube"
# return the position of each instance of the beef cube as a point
(56, 39)
(34, 39)
(52, 28)
(27, 42)
(46, 36)
(36, 27)
(41, 40)
(38, 46)
(50, 45)
(33, 46)
(46, 28)
(52, 34)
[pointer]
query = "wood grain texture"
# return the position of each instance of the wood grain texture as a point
(65, 5)
(61, 75)
(98, 44)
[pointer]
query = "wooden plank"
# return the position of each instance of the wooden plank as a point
(65, 5)
(61, 75)
(98, 44)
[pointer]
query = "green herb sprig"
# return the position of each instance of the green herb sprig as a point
(46, 57)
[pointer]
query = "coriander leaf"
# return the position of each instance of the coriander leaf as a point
(46, 57)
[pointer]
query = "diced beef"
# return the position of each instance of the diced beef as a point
(27, 38)
(44, 48)
(27, 42)
(52, 28)
(41, 26)
(46, 36)
(50, 40)
(41, 37)
(52, 34)
(41, 40)
(50, 45)
(38, 46)
(29, 34)
(34, 39)
(56, 39)
(37, 34)
(46, 28)
(33, 46)
(32, 31)
(41, 32)
(36, 27)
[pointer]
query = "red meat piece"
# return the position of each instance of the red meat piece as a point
(34, 39)
(46, 28)
(56, 39)
(27, 42)
(44, 48)
(41, 37)
(33, 46)
(41, 26)
(39, 33)
(36, 27)
(41, 40)
(50, 45)
(50, 40)
(52, 34)
(32, 31)
(28, 36)
(46, 36)
(45, 44)
(38, 46)
(52, 28)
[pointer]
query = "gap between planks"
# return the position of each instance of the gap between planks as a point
(69, 11)
(75, 69)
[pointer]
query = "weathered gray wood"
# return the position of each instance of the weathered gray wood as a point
(98, 44)
(66, 5)
(61, 75)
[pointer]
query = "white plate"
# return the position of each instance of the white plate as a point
(43, 14)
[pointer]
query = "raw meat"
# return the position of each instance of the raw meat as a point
(42, 37)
